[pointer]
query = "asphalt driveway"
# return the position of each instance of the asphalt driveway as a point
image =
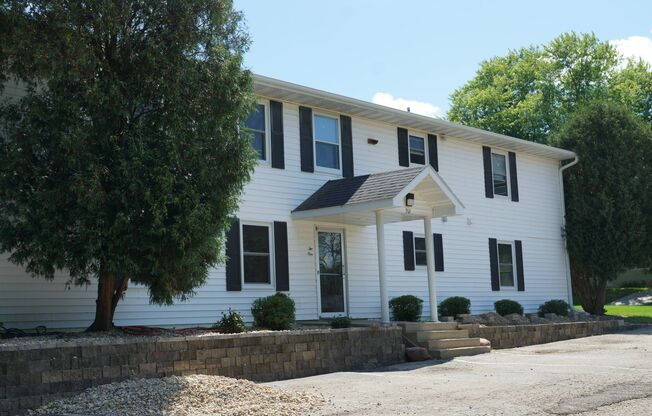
(603, 375)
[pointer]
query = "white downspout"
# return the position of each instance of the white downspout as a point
(569, 284)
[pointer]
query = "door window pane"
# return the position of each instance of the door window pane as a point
(331, 277)
(499, 168)
(256, 124)
(256, 254)
(330, 253)
(417, 150)
(505, 265)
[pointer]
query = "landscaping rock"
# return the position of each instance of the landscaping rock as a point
(516, 319)
(493, 319)
(485, 342)
(417, 354)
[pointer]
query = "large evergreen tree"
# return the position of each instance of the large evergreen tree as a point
(124, 160)
(608, 228)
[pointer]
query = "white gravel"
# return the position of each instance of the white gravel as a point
(640, 298)
(185, 396)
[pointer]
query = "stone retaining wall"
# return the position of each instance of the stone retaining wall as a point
(33, 375)
(522, 335)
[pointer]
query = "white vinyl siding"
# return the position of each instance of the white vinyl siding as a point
(271, 195)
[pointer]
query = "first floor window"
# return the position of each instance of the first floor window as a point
(256, 254)
(327, 142)
(505, 265)
(420, 251)
(499, 169)
(256, 125)
(417, 150)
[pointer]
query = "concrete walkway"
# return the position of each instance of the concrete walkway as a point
(602, 375)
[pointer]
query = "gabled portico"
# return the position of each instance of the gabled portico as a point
(381, 198)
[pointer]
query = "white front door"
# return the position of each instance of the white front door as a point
(331, 273)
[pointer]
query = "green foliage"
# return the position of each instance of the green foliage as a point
(125, 157)
(556, 306)
(406, 308)
(506, 306)
(531, 92)
(274, 312)
(614, 294)
(341, 322)
(608, 197)
(634, 284)
(231, 323)
(455, 305)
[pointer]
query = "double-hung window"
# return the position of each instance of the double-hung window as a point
(417, 150)
(256, 254)
(257, 126)
(499, 170)
(420, 251)
(506, 265)
(327, 142)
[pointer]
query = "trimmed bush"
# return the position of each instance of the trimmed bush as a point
(506, 306)
(455, 305)
(556, 306)
(231, 323)
(276, 312)
(406, 308)
(341, 322)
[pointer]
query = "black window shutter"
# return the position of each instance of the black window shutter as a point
(305, 139)
(408, 250)
(488, 173)
(520, 277)
(513, 176)
(281, 256)
(233, 281)
(493, 260)
(439, 252)
(278, 147)
(432, 152)
(347, 146)
(403, 151)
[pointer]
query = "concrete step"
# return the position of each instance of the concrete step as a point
(426, 326)
(448, 353)
(422, 336)
(437, 344)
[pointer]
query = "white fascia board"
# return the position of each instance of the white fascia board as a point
(429, 172)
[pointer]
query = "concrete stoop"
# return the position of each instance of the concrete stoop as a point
(443, 339)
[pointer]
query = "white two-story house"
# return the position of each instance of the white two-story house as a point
(352, 204)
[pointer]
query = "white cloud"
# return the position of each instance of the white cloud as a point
(417, 107)
(635, 47)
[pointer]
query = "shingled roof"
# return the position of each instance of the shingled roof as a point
(359, 189)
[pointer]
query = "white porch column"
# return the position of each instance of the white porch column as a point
(430, 266)
(380, 242)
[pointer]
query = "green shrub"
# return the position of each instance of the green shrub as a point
(341, 322)
(274, 312)
(507, 306)
(231, 323)
(406, 308)
(557, 306)
(634, 284)
(455, 305)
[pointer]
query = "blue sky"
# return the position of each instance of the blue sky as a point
(415, 53)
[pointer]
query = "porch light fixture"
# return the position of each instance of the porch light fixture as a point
(409, 202)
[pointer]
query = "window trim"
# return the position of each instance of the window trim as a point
(322, 169)
(268, 133)
(414, 245)
(425, 148)
(507, 176)
(272, 269)
(512, 245)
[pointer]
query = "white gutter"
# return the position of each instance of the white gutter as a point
(569, 284)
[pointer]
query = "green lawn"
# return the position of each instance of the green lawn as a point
(635, 314)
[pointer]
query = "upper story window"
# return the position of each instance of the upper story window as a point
(420, 257)
(256, 254)
(257, 124)
(506, 265)
(499, 169)
(417, 150)
(327, 142)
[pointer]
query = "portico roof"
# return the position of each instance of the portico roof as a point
(354, 200)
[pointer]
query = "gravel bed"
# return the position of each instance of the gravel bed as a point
(635, 299)
(184, 396)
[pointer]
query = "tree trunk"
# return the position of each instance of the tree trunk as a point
(108, 296)
(592, 292)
